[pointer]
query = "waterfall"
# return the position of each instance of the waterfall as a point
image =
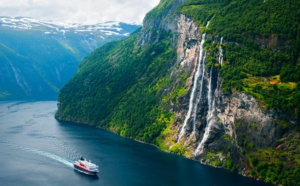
(192, 97)
(192, 105)
(211, 104)
(58, 74)
(21, 81)
(207, 24)
(200, 94)
(209, 117)
(221, 52)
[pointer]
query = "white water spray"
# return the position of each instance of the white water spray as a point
(207, 24)
(221, 52)
(211, 105)
(210, 115)
(192, 97)
(200, 94)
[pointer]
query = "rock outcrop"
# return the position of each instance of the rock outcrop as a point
(223, 122)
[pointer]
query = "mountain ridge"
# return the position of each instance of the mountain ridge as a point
(108, 28)
(49, 52)
(214, 93)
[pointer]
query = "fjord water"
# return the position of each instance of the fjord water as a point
(35, 149)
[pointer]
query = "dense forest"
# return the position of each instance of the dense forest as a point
(130, 78)
(127, 87)
(261, 48)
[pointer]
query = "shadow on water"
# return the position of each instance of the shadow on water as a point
(86, 176)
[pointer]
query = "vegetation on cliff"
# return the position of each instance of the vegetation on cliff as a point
(261, 58)
(119, 87)
(37, 61)
(262, 39)
(128, 88)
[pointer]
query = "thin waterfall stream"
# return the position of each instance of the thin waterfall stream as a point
(221, 52)
(192, 104)
(192, 97)
(200, 94)
(211, 105)
(209, 117)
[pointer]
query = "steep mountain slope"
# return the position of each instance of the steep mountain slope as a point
(39, 57)
(215, 81)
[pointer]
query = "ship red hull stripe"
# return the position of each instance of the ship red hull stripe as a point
(82, 168)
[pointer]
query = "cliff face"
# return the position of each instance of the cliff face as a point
(211, 126)
(219, 128)
(163, 86)
(209, 120)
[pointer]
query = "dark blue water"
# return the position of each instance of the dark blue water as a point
(35, 149)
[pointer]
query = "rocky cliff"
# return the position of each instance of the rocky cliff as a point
(174, 95)
(215, 127)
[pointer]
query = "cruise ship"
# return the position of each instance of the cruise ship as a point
(87, 167)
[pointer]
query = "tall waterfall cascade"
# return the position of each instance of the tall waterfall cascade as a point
(197, 97)
(209, 117)
(211, 113)
(200, 94)
(200, 73)
(192, 104)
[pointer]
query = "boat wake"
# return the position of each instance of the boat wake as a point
(57, 158)
(61, 147)
(65, 161)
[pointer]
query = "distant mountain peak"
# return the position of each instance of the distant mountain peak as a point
(51, 27)
(39, 57)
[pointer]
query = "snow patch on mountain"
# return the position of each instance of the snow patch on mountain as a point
(50, 27)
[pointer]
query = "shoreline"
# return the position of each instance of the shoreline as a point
(153, 145)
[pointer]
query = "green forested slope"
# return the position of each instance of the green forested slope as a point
(120, 84)
(127, 88)
(32, 65)
(37, 62)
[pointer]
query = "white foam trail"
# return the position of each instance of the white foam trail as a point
(53, 156)
(62, 147)
(62, 160)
